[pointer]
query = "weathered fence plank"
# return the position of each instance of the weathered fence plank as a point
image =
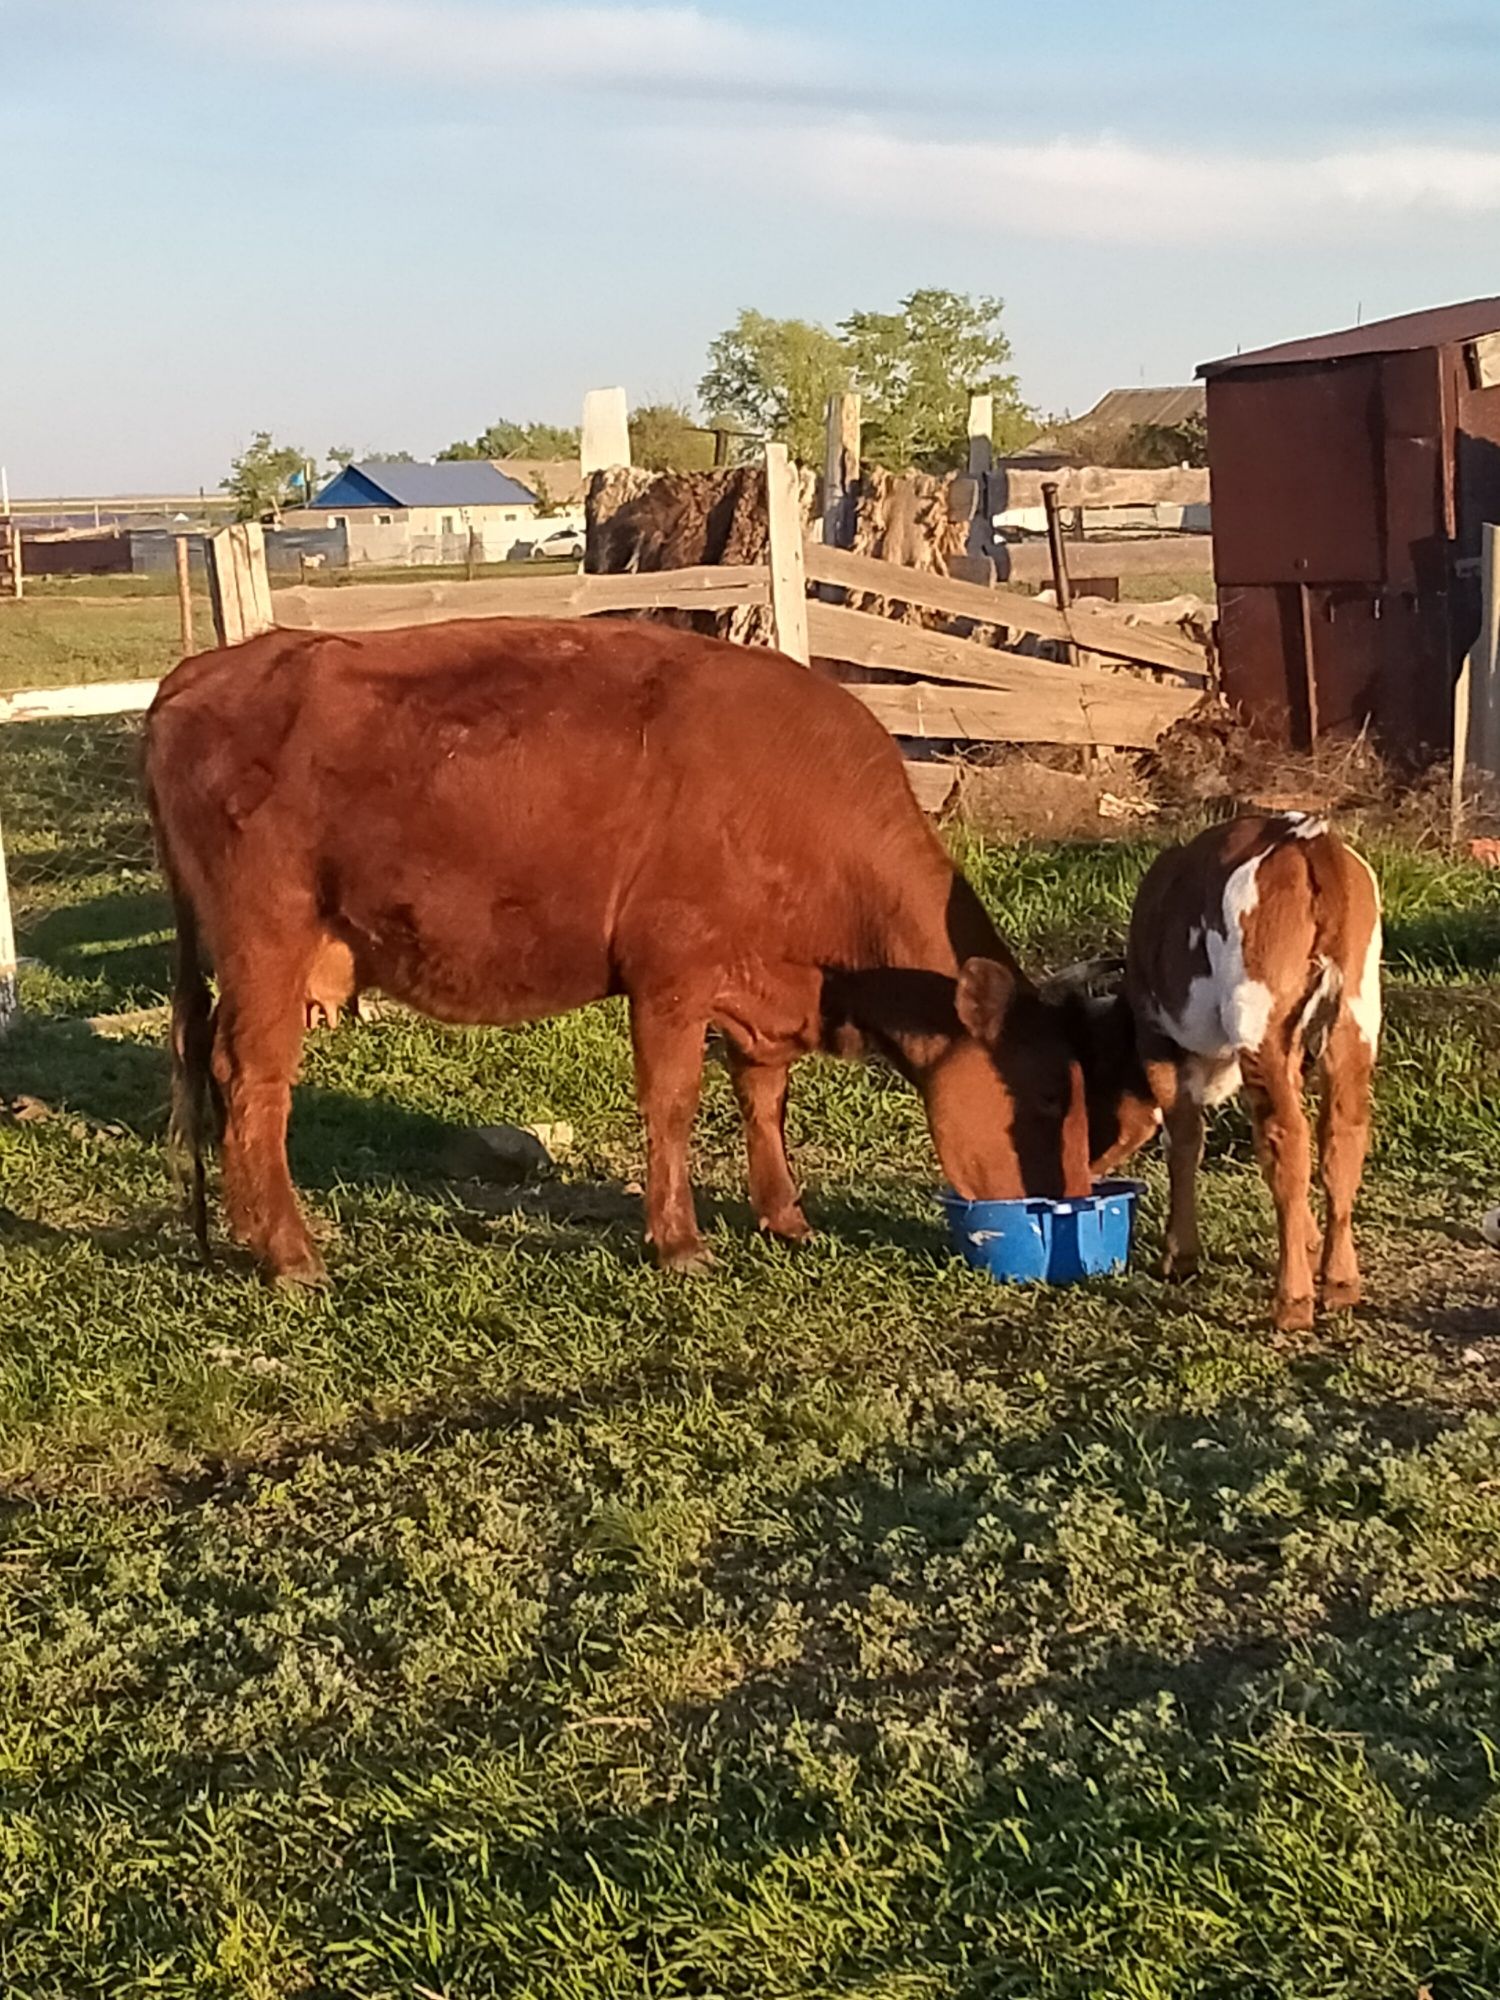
(1004, 607)
(239, 586)
(971, 714)
(1043, 687)
(1097, 486)
(382, 607)
(784, 538)
(67, 703)
(1146, 555)
(840, 469)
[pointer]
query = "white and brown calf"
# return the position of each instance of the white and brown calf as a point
(1254, 955)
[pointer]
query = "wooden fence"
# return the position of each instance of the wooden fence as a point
(960, 690)
(953, 688)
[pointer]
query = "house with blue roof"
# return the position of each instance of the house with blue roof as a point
(400, 513)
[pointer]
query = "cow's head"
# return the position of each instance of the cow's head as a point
(1005, 1096)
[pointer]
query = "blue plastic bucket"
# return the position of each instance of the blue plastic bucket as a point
(1046, 1242)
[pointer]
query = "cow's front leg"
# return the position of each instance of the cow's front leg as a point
(668, 1042)
(761, 1091)
(257, 1040)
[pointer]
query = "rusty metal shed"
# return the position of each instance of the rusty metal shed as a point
(1351, 478)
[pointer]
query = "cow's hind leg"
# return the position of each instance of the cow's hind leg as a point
(668, 1042)
(257, 1043)
(761, 1091)
(1273, 1085)
(1343, 1136)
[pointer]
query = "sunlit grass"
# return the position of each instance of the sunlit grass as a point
(512, 1620)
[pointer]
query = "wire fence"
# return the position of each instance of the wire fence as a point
(87, 902)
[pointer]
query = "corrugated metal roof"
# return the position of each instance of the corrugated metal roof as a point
(1126, 409)
(450, 482)
(1437, 327)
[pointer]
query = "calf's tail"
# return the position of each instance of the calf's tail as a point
(192, 1051)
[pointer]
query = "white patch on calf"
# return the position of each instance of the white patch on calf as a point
(1212, 1080)
(1363, 998)
(1225, 1013)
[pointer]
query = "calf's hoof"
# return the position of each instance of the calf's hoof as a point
(1294, 1315)
(1180, 1265)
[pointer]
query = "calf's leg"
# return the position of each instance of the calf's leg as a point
(1273, 1084)
(668, 1044)
(257, 1042)
(1182, 1117)
(761, 1091)
(1343, 1136)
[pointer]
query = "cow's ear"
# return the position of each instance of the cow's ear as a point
(985, 991)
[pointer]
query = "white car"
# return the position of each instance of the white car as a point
(561, 544)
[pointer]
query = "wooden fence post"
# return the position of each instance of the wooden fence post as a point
(238, 585)
(981, 433)
(604, 440)
(11, 566)
(10, 1000)
(184, 595)
(841, 471)
(787, 564)
(1476, 697)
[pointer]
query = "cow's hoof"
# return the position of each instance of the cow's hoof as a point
(1294, 1315)
(306, 1274)
(1342, 1298)
(1180, 1265)
(792, 1228)
(689, 1257)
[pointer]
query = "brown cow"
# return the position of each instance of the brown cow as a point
(502, 820)
(1253, 950)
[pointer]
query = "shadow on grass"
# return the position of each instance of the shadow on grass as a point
(341, 1141)
(1456, 943)
(953, 1715)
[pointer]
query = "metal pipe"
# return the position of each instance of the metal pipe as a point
(1060, 580)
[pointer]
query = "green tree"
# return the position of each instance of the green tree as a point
(261, 479)
(775, 376)
(507, 439)
(665, 437)
(1168, 445)
(916, 368)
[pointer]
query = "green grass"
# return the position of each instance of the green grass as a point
(68, 631)
(514, 1620)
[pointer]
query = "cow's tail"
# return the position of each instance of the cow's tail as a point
(189, 1136)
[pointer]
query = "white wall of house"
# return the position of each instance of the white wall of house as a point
(400, 537)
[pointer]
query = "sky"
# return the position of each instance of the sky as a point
(388, 222)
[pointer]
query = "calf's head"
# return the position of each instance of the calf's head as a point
(1005, 1094)
(1101, 1027)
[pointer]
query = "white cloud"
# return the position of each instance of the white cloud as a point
(1108, 189)
(482, 43)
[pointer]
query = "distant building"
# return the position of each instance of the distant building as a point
(414, 514)
(1126, 410)
(1098, 434)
